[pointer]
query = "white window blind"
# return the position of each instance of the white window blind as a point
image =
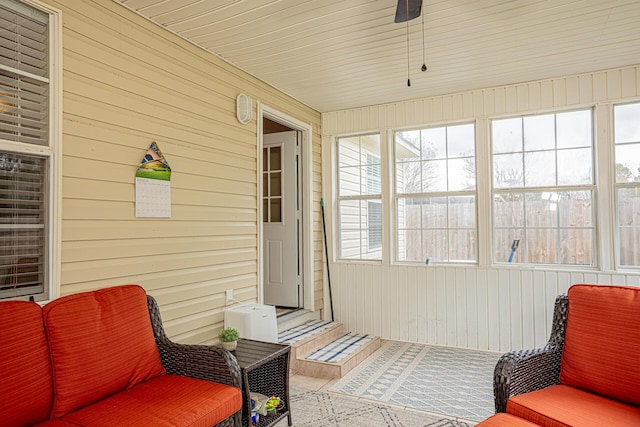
(24, 74)
(24, 118)
(22, 224)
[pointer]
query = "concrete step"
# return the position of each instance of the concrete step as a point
(296, 318)
(307, 338)
(322, 349)
(336, 368)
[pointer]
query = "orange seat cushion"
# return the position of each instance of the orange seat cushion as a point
(25, 371)
(167, 400)
(55, 423)
(505, 420)
(101, 342)
(602, 340)
(562, 406)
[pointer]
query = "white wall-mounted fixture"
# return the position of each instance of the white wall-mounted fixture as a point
(244, 108)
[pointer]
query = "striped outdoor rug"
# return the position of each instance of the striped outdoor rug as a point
(449, 381)
(303, 331)
(340, 348)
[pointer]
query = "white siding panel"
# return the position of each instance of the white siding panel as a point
(572, 90)
(614, 84)
(534, 97)
(482, 308)
(493, 302)
(511, 99)
(462, 310)
(470, 307)
(387, 288)
(528, 300)
(421, 300)
(599, 86)
(586, 88)
(546, 94)
(539, 304)
(431, 305)
(628, 82)
(559, 93)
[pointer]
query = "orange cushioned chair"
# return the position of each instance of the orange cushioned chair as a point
(102, 358)
(588, 374)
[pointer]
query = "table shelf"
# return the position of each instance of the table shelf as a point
(265, 370)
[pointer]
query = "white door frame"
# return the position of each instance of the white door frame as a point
(305, 130)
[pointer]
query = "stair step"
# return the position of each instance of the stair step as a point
(304, 331)
(296, 318)
(340, 348)
(359, 348)
(307, 338)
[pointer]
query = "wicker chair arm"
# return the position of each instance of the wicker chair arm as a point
(196, 361)
(522, 371)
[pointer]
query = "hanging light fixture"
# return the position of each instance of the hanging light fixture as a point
(406, 10)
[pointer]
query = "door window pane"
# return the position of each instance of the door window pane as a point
(272, 193)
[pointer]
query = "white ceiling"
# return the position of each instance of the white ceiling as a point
(341, 54)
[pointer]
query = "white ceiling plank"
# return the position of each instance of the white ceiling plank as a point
(336, 54)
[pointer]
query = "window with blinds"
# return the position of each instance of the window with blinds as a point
(24, 74)
(24, 119)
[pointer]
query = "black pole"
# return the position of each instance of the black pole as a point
(326, 256)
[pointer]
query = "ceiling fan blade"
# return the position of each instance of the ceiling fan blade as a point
(402, 15)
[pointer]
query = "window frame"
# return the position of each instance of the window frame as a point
(448, 194)
(617, 186)
(51, 151)
(525, 190)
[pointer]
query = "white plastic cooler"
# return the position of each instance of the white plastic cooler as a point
(253, 321)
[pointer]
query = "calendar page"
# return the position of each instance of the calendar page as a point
(153, 198)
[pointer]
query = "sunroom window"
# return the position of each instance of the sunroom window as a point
(543, 189)
(627, 169)
(436, 194)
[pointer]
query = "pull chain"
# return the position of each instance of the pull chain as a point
(424, 62)
(408, 67)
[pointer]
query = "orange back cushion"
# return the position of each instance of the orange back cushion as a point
(602, 340)
(101, 343)
(25, 371)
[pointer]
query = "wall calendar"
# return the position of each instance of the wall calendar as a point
(153, 185)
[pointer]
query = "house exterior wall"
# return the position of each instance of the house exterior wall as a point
(126, 83)
(355, 243)
(482, 306)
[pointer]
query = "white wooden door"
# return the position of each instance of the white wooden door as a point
(281, 220)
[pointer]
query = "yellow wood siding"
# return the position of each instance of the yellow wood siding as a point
(126, 83)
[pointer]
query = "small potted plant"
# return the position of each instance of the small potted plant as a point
(229, 338)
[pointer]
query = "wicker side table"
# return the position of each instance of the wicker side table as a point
(265, 369)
